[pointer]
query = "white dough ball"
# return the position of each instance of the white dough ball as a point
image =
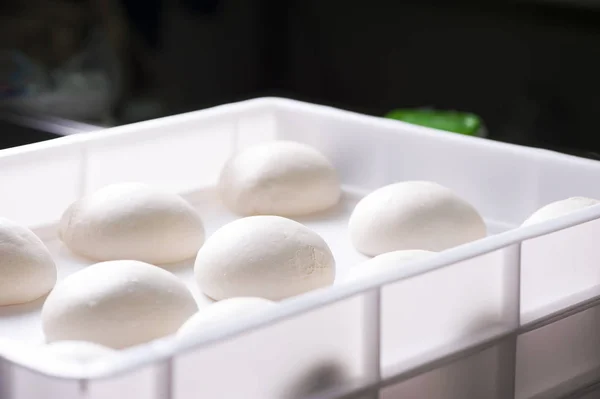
(413, 215)
(78, 351)
(132, 221)
(386, 261)
(263, 256)
(117, 304)
(227, 309)
(559, 208)
(27, 271)
(279, 178)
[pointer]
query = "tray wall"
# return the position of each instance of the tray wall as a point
(422, 330)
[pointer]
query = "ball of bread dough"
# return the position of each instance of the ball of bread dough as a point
(232, 308)
(383, 262)
(117, 304)
(279, 178)
(413, 215)
(559, 208)
(263, 256)
(27, 271)
(132, 221)
(78, 351)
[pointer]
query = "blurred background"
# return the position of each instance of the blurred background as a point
(528, 69)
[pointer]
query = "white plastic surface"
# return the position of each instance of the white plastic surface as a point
(150, 382)
(559, 270)
(559, 357)
(479, 293)
(476, 376)
(21, 383)
(303, 356)
(38, 186)
(191, 161)
(428, 316)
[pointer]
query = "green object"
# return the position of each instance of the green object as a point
(452, 121)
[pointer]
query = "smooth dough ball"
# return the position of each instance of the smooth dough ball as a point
(263, 256)
(279, 178)
(386, 261)
(413, 215)
(559, 208)
(78, 351)
(132, 221)
(117, 304)
(233, 308)
(27, 271)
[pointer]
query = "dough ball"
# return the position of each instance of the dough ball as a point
(78, 351)
(559, 208)
(117, 304)
(233, 308)
(263, 256)
(279, 178)
(27, 271)
(132, 221)
(383, 262)
(413, 215)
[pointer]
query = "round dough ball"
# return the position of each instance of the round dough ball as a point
(413, 215)
(218, 312)
(27, 271)
(559, 208)
(383, 262)
(132, 221)
(117, 304)
(78, 351)
(279, 178)
(263, 256)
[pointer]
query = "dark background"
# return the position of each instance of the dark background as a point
(529, 69)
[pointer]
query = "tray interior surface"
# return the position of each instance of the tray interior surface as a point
(22, 322)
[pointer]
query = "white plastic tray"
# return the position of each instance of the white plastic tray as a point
(513, 315)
